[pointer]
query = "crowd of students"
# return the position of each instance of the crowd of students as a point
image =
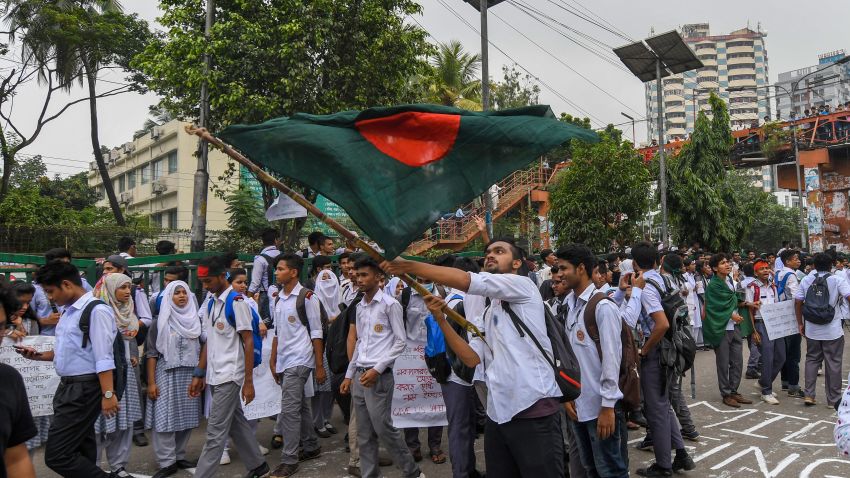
(130, 363)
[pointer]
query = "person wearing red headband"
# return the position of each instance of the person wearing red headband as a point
(760, 292)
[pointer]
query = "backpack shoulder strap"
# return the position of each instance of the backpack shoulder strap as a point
(406, 293)
(523, 329)
(661, 291)
(228, 308)
(301, 306)
(590, 323)
(85, 319)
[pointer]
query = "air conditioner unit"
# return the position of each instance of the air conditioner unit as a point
(93, 166)
(156, 132)
(129, 148)
(158, 187)
(114, 155)
(126, 197)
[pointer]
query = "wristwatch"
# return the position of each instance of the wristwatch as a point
(108, 394)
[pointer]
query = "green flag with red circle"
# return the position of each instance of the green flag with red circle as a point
(396, 170)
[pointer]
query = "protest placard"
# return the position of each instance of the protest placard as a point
(779, 319)
(40, 378)
(266, 392)
(417, 397)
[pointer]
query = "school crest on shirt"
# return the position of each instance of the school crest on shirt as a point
(291, 319)
(580, 335)
(219, 325)
(379, 328)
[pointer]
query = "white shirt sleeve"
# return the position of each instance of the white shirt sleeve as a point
(143, 307)
(610, 326)
(314, 317)
(399, 343)
(257, 274)
(511, 288)
(242, 314)
(102, 335)
(631, 312)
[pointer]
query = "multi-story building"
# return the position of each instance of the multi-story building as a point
(735, 60)
(829, 87)
(154, 175)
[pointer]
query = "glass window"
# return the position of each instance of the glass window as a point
(172, 219)
(121, 183)
(156, 167)
(172, 162)
(131, 179)
(146, 174)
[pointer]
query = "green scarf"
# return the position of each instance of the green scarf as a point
(720, 303)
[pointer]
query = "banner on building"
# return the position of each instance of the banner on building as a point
(40, 378)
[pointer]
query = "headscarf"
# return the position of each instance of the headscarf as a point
(392, 286)
(125, 313)
(327, 289)
(182, 320)
(720, 303)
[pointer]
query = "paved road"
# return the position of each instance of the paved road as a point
(788, 440)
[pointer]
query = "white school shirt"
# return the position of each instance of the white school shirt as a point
(838, 289)
(380, 334)
(792, 285)
(225, 353)
(518, 376)
(474, 306)
(599, 379)
(260, 273)
(69, 356)
(629, 309)
(294, 343)
(651, 300)
(767, 295)
(143, 306)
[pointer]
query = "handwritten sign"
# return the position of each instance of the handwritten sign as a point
(266, 392)
(40, 378)
(417, 397)
(779, 319)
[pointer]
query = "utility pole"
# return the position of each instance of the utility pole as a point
(485, 103)
(202, 176)
(633, 127)
(662, 164)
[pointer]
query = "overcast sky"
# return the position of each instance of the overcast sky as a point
(796, 35)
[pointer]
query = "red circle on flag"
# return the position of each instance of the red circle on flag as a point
(412, 138)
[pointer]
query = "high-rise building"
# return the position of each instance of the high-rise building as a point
(735, 60)
(153, 175)
(829, 87)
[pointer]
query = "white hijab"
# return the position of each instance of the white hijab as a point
(327, 289)
(183, 321)
(391, 287)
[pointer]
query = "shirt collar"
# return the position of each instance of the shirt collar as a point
(223, 296)
(378, 297)
(294, 292)
(82, 301)
(585, 296)
(268, 248)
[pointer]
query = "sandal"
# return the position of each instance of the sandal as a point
(277, 442)
(438, 457)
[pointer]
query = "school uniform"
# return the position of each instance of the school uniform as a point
(71, 444)
(772, 350)
(790, 374)
(42, 423)
(523, 431)
(380, 340)
(659, 414)
(114, 435)
(225, 376)
(599, 386)
(629, 309)
(174, 414)
(296, 362)
(754, 364)
(260, 279)
(825, 343)
(145, 315)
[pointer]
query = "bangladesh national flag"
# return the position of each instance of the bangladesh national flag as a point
(395, 170)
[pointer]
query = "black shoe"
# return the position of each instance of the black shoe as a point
(387, 461)
(683, 461)
(120, 473)
(284, 470)
(753, 375)
(309, 455)
(654, 470)
(692, 435)
(323, 433)
(259, 472)
(167, 471)
(637, 417)
(277, 442)
(645, 445)
(186, 464)
(331, 429)
(796, 393)
(140, 439)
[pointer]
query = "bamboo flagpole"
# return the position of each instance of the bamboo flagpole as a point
(270, 180)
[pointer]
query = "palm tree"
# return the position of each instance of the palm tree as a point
(456, 80)
(73, 55)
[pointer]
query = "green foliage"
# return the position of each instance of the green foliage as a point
(773, 224)
(581, 122)
(247, 218)
(706, 203)
(454, 77)
(274, 59)
(515, 90)
(28, 171)
(602, 196)
(775, 138)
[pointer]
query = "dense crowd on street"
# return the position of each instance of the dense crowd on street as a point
(552, 360)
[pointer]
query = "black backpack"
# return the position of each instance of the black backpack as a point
(678, 348)
(563, 361)
(336, 340)
(301, 308)
(119, 375)
(405, 301)
(460, 369)
(817, 307)
(269, 269)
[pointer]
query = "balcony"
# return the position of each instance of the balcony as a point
(739, 49)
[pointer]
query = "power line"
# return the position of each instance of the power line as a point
(97, 78)
(538, 79)
(566, 65)
(623, 35)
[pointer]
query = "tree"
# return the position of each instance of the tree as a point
(602, 196)
(773, 224)
(515, 90)
(72, 41)
(703, 203)
(272, 59)
(455, 77)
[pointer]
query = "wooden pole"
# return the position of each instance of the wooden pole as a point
(270, 180)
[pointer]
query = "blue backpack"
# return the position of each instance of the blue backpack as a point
(780, 284)
(157, 305)
(230, 316)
